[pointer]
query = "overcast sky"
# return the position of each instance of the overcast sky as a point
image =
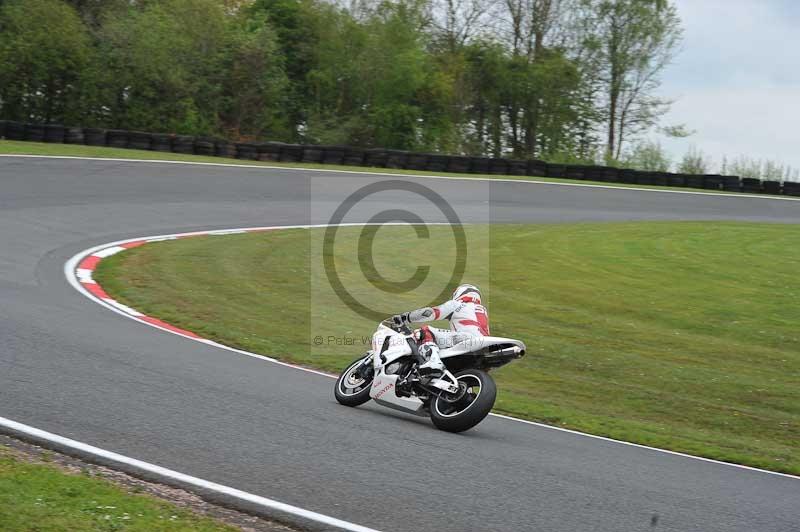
(737, 79)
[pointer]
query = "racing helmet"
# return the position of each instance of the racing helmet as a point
(467, 292)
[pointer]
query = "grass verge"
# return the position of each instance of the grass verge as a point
(11, 147)
(42, 497)
(676, 335)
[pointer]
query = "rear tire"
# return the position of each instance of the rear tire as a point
(352, 388)
(470, 410)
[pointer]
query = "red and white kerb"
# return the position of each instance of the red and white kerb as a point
(86, 269)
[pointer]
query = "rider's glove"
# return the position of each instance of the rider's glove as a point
(400, 319)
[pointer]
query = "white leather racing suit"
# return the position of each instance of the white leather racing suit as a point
(468, 319)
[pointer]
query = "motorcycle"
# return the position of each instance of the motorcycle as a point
(456, 400)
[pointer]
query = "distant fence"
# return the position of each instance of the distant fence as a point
(381, 158)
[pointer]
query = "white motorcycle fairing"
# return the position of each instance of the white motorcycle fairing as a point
(456, 399)
(388, 346)
(481, 343)
(383, 393)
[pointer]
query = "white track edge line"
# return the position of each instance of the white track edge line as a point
(181, 477)
(422, 176)
(71, 265)
(70, 268)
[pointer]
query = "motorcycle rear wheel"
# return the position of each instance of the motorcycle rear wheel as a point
(352, 388)
(478, 393)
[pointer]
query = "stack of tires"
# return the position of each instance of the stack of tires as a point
(54, 133)
(791, 188)
(517, 167)
(752, 186)
(14, 130)
(161, 142)
(676, 180)
(732, 183)
(74, 135)
(313, 154)
(183, 144)
(696, 181)
(269, 151)
(204, 146)
(354, 156)
(139, 140)
(117, 138)
(499, 166)
(378, 158)
(223, 148)
(438, 163)
(292, 153)
(537, 168)
(416, 161)
(247, 151)
(575, 172)
(459, 164)
(772, 187)
(556, 170)
(34, 132)
(479, 165)
(396, 159)
(333, 155)
(94, 136)
(712, 182)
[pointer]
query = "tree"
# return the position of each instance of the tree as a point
(530, 26)
(457, 22)
(549, 93)
(525, 78)
(375, 84)
(164, 66)
(636, 40)
(298, 25)
(487, 70)
(93, 11)
(556, 106)
(254, 87)
(44, 48)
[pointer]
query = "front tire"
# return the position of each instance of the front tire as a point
(352, 386)
(477, 396)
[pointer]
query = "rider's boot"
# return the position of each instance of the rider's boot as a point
(432, 370)
(433, 366)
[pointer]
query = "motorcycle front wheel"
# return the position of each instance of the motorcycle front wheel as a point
(465, 409)
(352, 386)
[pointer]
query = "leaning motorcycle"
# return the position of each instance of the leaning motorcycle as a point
(455, 401)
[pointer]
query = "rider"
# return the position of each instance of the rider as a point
(468, 319)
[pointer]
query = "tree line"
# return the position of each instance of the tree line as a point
(560, 80)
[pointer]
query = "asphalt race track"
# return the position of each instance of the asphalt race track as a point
(71, 367)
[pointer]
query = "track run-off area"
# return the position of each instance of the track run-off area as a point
(70, 367)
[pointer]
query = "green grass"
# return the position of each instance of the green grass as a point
(677, 335)
(37, 148)
(39, 497)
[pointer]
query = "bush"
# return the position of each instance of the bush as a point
(766, 170)
(649, 156)
(694, 162)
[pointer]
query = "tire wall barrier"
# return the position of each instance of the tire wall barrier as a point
(380, 158)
